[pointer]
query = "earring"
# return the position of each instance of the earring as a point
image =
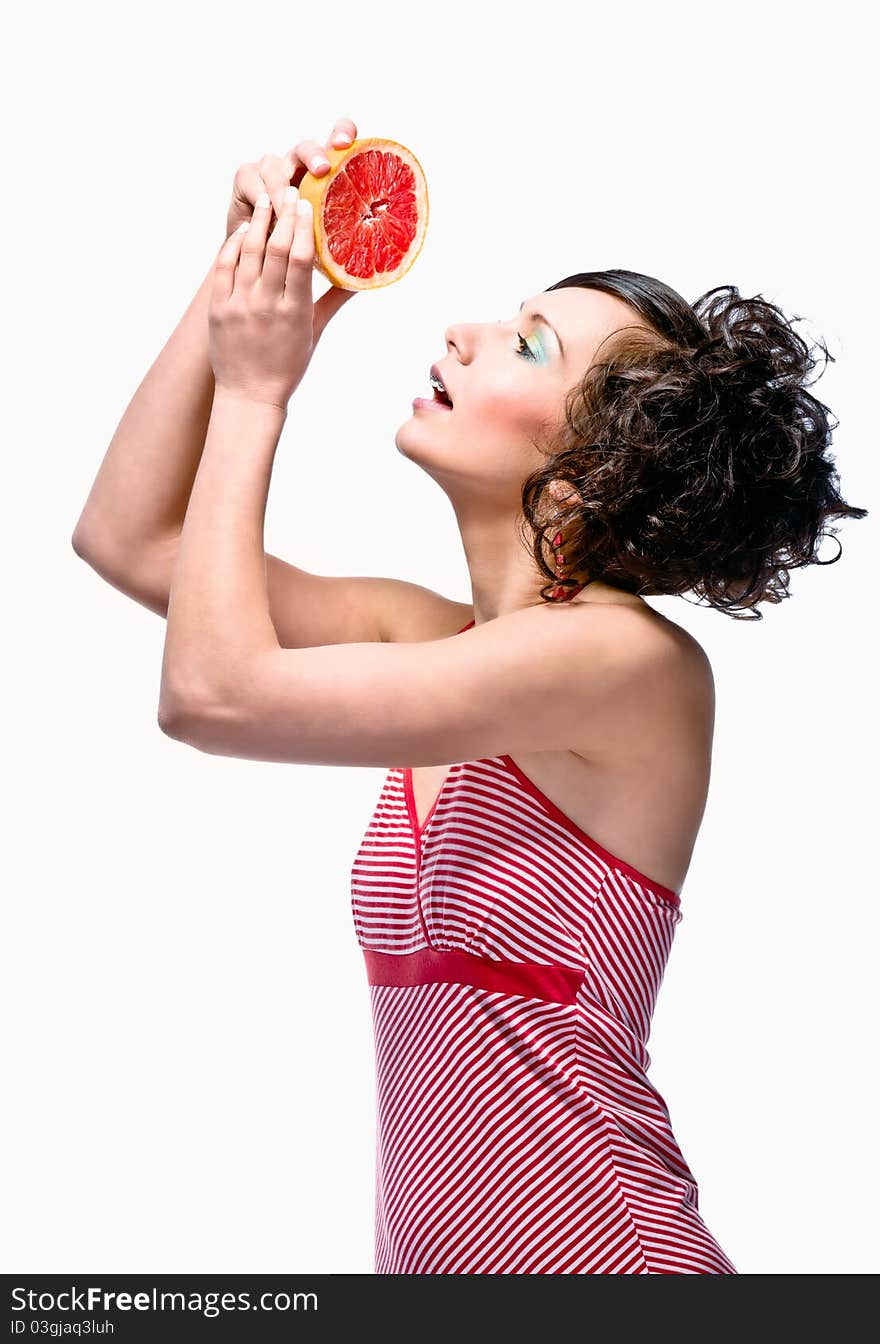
(559, 591)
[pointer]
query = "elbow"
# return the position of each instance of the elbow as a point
(80, 545)
(199, 721)
(176, 721)
(180, 713)
(94, 549)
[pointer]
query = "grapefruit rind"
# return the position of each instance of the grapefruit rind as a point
(315, 189)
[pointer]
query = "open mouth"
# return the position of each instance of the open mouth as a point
(440, 395)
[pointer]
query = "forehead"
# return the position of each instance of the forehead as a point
(583, 318)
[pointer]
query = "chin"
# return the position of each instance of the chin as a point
(422, 452)
(406, 437)
(400, 434)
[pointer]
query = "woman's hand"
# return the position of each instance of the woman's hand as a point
(271, 176)
(261, 327)
(274, 173)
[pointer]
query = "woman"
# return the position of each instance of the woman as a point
(518, 886)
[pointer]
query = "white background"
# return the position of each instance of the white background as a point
(188, 1042)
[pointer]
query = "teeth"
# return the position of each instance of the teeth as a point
(437, 385)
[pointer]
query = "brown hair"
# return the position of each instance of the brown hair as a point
(698, 458)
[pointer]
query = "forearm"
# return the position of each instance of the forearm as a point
(143, 485)
(219, 622)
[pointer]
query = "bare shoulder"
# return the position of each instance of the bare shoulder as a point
(662, 676)
(669, 634)
(669, 654)
(414, 614)
(689, 660)
(625, 647)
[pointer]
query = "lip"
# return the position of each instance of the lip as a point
(437, 374)
(429, 404)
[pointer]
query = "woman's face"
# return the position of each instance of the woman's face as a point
(508, 381)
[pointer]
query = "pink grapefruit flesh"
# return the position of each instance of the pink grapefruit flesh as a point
(370, 213)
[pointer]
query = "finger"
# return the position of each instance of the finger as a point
(309, 156)
(277, 258)
(276, 173)
(224, 267)
(250, 263)
(313, 157)
(344, 132)
(247, 185)
(298, 285)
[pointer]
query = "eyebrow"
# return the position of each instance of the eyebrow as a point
(537, 317)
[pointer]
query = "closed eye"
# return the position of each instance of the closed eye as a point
(525, 349)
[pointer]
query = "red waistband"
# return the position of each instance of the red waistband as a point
(556, 984)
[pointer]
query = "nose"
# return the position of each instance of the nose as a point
(453, 338)
(463, 337)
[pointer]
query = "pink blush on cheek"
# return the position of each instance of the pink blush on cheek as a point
(507, 415)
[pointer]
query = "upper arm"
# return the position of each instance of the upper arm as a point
(306, 609)
(534, 679)
(315, 609)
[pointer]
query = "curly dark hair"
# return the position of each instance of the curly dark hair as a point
(696, 457)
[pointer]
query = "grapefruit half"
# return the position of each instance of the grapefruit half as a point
(370, 213)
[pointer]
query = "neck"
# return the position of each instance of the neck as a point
(503, 573)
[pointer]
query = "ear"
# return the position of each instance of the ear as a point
(562, 493)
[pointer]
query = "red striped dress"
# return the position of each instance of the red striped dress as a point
(513, 966)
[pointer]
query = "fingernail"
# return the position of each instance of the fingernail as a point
(304, 207)
(262, 200)
(343, 138)
(319, 162)
(290, 194)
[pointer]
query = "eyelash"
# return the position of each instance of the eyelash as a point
(527, 350)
